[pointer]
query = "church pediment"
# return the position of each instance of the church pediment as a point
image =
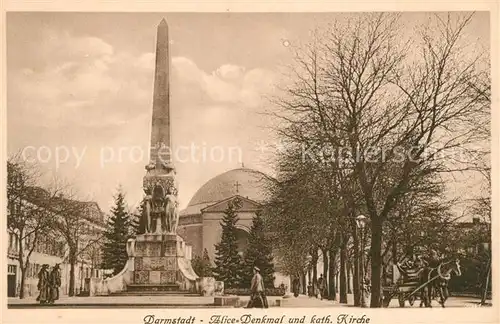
(245, 205)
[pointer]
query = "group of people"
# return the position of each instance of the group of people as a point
(315, 289)
(318, 288)
(49, 281)
(414, 260)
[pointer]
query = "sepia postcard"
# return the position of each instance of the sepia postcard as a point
(250, 165)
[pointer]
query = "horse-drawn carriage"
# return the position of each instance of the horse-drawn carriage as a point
(408, 283)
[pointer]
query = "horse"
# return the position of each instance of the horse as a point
(437, 279)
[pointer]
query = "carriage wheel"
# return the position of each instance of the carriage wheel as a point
(401, 299)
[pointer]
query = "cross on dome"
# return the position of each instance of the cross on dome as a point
(237, 185)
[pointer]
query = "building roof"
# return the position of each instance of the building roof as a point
(244, 182)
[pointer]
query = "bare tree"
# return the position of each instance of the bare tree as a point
(363, 90)
(77, 225)
(30, 216)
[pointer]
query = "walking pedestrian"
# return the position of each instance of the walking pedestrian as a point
(321, 286)
(296, 286)
(43, 284)
(55, 283)
(258, 298)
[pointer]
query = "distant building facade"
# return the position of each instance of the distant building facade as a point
(199, 223)
(51, 248)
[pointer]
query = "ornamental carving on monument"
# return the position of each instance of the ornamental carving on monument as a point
(160, 213)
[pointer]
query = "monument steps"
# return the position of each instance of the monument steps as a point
(155, 290)
(156, 293)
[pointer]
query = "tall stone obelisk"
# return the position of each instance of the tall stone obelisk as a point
(160, 125)
(160, 187)
(162, 260)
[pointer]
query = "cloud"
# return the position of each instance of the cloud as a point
(229, 84)
(230, 72)
(88, 94)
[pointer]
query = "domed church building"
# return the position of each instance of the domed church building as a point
(199, 223)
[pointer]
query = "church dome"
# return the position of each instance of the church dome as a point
(245, 182)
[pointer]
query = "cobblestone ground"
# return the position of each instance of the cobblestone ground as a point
(206, 302)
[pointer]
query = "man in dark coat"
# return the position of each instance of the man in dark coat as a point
(43, 284)
(296, 286)
(55, 283)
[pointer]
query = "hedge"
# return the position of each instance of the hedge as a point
(247, 292)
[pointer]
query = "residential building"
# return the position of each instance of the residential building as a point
(52, 248)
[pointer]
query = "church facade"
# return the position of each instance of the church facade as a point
(199, 223)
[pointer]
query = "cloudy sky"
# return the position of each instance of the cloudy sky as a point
(84, 83)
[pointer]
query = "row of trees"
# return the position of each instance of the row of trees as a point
(38, 213)
(376, 124)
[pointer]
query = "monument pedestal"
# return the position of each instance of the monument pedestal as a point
(162, 262)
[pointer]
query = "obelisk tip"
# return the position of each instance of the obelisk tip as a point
(163, 22)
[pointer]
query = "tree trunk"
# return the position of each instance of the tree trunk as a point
(394, 252)
(332, 292)
(325, 270)
(22, 265)
(303, 280)
(23, 280)
(72, 263)
(337, 282)
(315, 268)
(376, 261)
(349, 267)
(355, 281)
(343, 284)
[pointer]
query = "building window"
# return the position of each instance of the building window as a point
(11, 269)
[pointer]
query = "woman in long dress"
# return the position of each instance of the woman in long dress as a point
(43, 284)
(55, 283)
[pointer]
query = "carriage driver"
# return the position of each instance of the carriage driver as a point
(433, 258)
(413, 260)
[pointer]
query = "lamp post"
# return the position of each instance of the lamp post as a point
(309, 266)
(361, 222)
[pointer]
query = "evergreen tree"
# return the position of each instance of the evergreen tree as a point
(207, 266)
(117, 233)
(197, 264)
(228, 263)
(137, 225)
(258, 253)
(201, 265)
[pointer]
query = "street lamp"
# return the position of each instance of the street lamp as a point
(361, 221)
(309, 266)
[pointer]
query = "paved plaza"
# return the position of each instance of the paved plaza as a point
(206, 302)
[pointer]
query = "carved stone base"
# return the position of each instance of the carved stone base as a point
(153, 288)
(159, 262)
